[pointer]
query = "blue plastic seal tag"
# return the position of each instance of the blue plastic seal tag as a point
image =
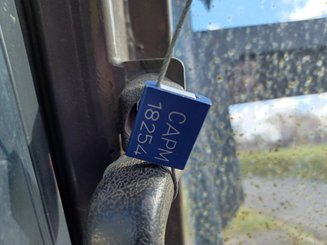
(167, 124)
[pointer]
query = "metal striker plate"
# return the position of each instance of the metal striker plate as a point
(167, 124)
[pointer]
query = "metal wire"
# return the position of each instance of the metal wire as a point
(168, 56)
(164, 69)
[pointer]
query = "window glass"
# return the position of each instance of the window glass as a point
(20, 205)
(30, 206)
(257, 174)
(282, 150)
(220, 14)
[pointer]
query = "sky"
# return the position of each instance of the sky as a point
(237, 13)
(250, 119)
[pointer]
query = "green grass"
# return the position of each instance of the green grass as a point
(309, 162)
(248, 223)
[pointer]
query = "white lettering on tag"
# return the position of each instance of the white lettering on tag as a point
(178, 116)
(152, 114)
(162, 152)
(175, 118)
(171, 130)
(170, 144)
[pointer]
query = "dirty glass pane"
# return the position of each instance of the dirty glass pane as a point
(221, 14)
(282, 149)
(19, 223)
(30, 207)
(257, 174)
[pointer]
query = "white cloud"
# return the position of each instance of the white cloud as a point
(213, 26)
(286, 104)
(311, 9)
(249, 119)
(321, 111)
(295, 2)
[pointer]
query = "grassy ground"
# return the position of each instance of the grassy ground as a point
(248, 223)
(309, 162)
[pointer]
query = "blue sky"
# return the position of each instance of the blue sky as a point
(234, 13)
